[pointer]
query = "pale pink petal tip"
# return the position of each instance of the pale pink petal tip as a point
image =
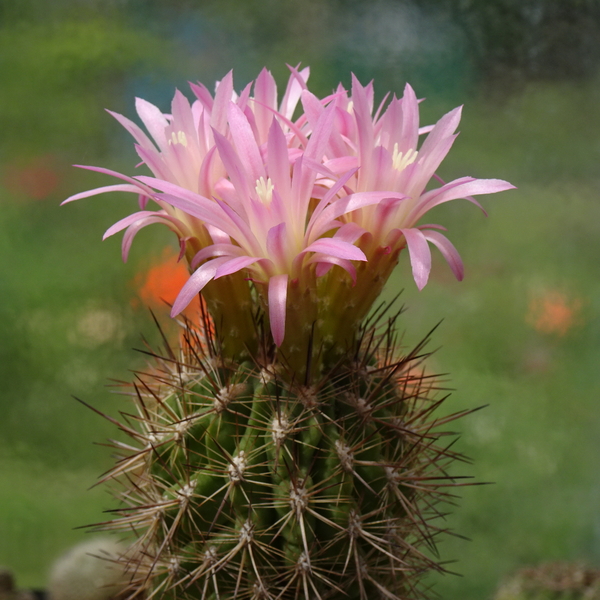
(448, 251)
(420, 256)
(199, 278)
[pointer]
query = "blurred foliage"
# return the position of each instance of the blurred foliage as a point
(552, 581)
(58, 74)
(517, 40)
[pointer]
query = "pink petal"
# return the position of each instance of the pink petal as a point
(203, 95)
(277, 306)
(424, 169)
(278, 161)
(234, 167)
(460, 188)
(245, 142)
(199, 278)
(325, 263)
(364, 125)
(349, 232)
(154, 120)
(324, 222)
(155, 161)
(193, 204)
(102, 190)
(208, 172)
(130, 219)
(213, 251)
(243, 98)
(218, 236)
(296, 84)
(319, 139)
(303, 180)
(342, 164)
(135, 227)
(276, 243)
(235, 264)
(148, 191)
(410, 120)
(328, 197)
(140, 137)
(336, 248)
(448, 251)
(312, 108)
(265, 93)
(384, 214)
(182, 116)
(420, 255)
(223, 96)
(239, 229)
(443, 129)
(303, 140)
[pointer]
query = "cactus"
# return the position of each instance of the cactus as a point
(552, 581)
(91, 570)
(243, 482)
(287, 447)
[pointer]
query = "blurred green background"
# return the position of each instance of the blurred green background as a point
(520, 334)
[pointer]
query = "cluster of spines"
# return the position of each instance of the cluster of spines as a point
(242, 482)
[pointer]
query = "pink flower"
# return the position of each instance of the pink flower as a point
(182, 150)
(268, 226)
(254, 195)
(385, 149)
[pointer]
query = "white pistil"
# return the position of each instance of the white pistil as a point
(264, 190)
(400, 160)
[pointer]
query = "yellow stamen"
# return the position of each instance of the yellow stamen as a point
(400, 161)
(178, 138)
(264, 190)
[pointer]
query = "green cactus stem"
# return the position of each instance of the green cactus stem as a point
(242, 482)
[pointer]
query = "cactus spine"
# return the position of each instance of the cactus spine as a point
(243, 482)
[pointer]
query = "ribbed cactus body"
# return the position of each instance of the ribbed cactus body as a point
(245, 482)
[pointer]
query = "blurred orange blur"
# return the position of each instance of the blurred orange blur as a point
(554, 313)
(158, 287)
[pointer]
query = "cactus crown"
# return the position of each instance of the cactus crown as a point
(287, 448)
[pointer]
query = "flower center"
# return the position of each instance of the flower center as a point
(178, 138)
(400, 160)
(264, 190)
